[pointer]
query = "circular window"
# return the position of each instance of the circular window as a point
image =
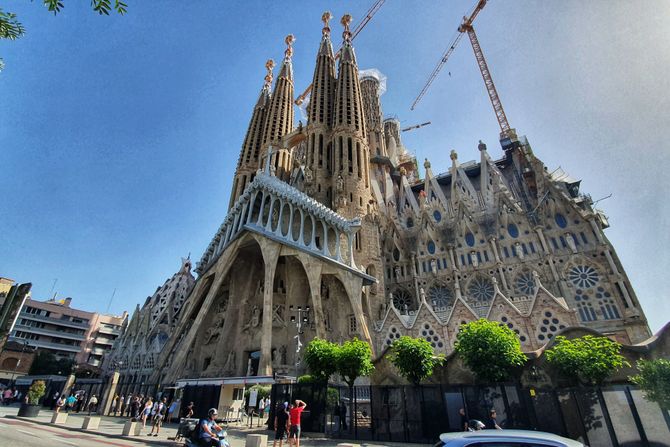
(402, 299)
(440, 297)
(481, 289)
(437, 215)
(560, 220)
(431, 247)
(583, 276)
(470, 239)
(513, 230)
(525, 283)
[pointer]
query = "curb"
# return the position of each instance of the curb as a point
(145, 440)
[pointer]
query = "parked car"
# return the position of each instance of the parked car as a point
(505, 438)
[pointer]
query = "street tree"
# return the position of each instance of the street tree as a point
(654, 379)
(490, 350)
(414, 358)
(12, 29)
(590, 359)
(321, 359)
(354, 360)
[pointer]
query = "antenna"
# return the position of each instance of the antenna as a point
(110, 300)
(53, 286)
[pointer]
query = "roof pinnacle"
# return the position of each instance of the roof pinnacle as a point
(325, 18)
(346, 20)
(289, 47)
(269, 65)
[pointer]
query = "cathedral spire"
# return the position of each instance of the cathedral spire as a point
(279, 119)
(249, 160)
(323, 81)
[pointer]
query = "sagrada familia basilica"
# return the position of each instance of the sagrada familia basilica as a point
(331, 225)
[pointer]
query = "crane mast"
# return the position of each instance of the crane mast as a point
(466, 27)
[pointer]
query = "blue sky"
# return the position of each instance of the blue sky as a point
(119, 135)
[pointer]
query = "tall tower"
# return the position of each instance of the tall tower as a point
(249, 160)
(319, 146)
(374, 120)
(279, 120)
(351, 155)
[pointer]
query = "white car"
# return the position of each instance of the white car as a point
(505, 438)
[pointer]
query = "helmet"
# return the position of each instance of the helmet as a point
(212, 412)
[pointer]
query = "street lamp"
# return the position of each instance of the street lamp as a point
(24, 344)
(302, 318)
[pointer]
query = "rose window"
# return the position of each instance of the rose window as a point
(440, 297)
(402, 300)
(481, 289)
(525, 283)
(583, 276)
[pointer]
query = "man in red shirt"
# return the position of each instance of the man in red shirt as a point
(294, 433)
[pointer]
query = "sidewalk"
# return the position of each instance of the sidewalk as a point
(112, 427)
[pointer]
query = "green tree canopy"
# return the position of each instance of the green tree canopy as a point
(654, 379)
(354, 359)
(591, 359)
(46, 363)
(321, 359)
(489, 349)
(414, 358)
(36, 391)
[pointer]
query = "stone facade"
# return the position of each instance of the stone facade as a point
(334, 216)
(136, 351)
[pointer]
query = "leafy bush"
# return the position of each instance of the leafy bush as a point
(590, 359)
(489, 349)
(36, 391)
(263, 391)
(306, 379)
(321, 359)
(354, 359)
(414, 358)
(654, 379)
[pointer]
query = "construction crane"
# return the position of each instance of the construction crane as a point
(466, 27)
(415, 126)
(368, 16)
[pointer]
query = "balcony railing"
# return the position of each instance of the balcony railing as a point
(47, 345)
(54, 321)
(49, 332)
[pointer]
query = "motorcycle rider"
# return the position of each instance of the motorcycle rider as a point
(208, 429)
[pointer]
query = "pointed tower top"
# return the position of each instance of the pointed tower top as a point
(481, 146)
(346, 20)
(289, 47)
(269, 65)
(453, 155)
(325, 18)
(426, 164)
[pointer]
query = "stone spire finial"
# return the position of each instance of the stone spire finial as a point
(325, 18)
(426, 164)
(346, 20)
(453, 155)
(481, 146)
(269, 65)
(289, 46)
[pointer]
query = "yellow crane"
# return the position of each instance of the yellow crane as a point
(466, 27)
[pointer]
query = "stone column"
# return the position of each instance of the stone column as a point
(353, 286)
(107, 398)
(270, 252)
(313, 270)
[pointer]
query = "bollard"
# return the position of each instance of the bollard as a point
(256, 441)
(132, 428)
(91, 422)
(59, 418)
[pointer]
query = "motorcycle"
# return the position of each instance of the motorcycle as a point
(189, 431)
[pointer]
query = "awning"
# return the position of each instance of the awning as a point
(250, 380)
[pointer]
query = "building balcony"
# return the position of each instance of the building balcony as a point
(98, 351)
(54, 321)
(47, 345)
(109, 331)
(49, 332)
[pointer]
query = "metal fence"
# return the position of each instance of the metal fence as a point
(616, 415)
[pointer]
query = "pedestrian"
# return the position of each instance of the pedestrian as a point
(189, 410)
(172, 410)
(343, 416)
(69, 405)
(161, 410)
(129, 405)
(135, 408)
(261, 407)
(464, 420)
(492, 422)
(294, 432)
(92, 404)
(54, 399)
(59, 404)
(147, 411)
(115, 402)
(7, 396)
(282, 424)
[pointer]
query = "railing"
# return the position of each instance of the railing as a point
(54, 321)
(49, 332)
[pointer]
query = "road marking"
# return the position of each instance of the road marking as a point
(64, 442)
(27, 433)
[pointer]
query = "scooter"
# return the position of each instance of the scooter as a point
(188, 430)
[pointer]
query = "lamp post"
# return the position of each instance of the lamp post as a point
(301, 318)
(24, 344)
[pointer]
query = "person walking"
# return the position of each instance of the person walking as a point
(294, 432)
(492, 422)
(60, 403)
(282, 424)
(69, 403)
(135, 407)
(93, 404)
(172, 410)
(158, 417)
(343, 416)
(147, 411)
